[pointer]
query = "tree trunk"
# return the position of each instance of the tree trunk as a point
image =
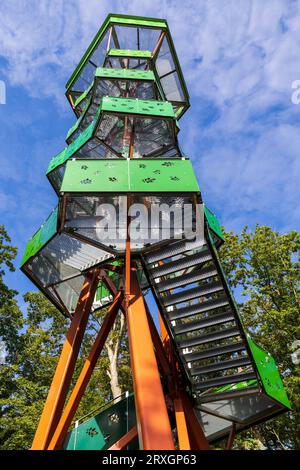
(113, 372)
(112, 347)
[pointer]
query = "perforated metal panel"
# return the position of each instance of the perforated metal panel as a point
(105, 429)
(133, 176)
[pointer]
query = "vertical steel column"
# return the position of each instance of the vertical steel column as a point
(152, 416)
(65, 367)
(197, 437)
(85, 375)
(182, 432)
(231, 437)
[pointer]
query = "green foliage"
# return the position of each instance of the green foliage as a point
(265, 266)
(10, 320)
(32, 346)
(25, 379)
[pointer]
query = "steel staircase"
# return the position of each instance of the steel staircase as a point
(191, 290)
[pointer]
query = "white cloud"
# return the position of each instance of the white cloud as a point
(240, 55)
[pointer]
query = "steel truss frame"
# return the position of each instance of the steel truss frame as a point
(151, 358)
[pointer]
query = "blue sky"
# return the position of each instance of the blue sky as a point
(239, 58)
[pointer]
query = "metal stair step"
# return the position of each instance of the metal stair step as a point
(180, 264)
(185, 279)
(221, 365)
(212, 352)
(215, 336)
(190, 294)
(172, 250)
(205, 306)
(197, 325)
(229, 379)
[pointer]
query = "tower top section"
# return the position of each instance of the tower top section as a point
(143, 44)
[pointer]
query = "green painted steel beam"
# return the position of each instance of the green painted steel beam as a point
(67, 152)
(132, 106)
(236, 386)
(130, 53)
(136, 176)
(83, 95)
(128, 106)
(116, 74)
(41, 237)
(131, 20)
(124, 74)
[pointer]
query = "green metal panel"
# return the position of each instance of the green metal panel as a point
(237, 386)
(77, 123)
(162, 176)
(65, 154)
(124, 74)
(269, 374)
(135, 176)
(104, 429)
(114, 74)
(213, 222)
(57, 160)
(129, 106)
(83, 95)
(96, 176)
(135, 106)
(41, 237)
(102, 290)
(136, 54)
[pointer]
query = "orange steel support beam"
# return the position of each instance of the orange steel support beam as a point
(65, 367)
(182, 432)
(125, 440)
(158, 44)
(152, 416)
(85, 375)
(163, 331)
(197, 437)
(112, 268)
(108, 282)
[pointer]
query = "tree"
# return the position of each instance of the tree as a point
(265, 266)
(10, 319)
(26, 377)
(115, 360)
(30, 347)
